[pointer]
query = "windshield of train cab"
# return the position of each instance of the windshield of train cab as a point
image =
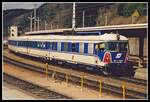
(121, 46)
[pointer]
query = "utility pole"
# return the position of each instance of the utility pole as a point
(31, 18)
(59, 19)
(38, 20)
(45, 25)
(73, 17)
(35, 17)
(83, 18)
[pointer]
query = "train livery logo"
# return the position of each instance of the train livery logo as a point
(118, 55)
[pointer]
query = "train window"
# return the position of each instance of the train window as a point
(112, 46)
(23, 43)
(65, 46)
(54, 46)
(44, 45)
(20, 43)
(74, 47)
(50, 45)
(117, 46)
(30, 44)
(34, 44)
(41, 45)
(123, 46)
(59, 46)
(13, 43)
(85, 47)
(16, 43)
(101, 46)
(38, 45)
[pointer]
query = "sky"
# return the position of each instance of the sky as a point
(18, 5)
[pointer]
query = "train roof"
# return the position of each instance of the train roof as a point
(104, 37)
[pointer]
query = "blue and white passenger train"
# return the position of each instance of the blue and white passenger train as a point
(107, 52)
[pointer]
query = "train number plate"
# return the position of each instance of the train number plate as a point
(118, 61)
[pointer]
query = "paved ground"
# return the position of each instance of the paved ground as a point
(12, 93)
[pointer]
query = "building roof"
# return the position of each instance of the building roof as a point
(99, 28)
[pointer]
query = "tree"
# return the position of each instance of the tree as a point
(128, 9)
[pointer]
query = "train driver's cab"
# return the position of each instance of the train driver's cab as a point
(112, 46)
(114, 51)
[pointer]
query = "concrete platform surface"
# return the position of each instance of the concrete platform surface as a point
(141, 73)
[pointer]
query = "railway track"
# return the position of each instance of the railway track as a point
(36, 90)
(133, 94)
(126, 79)
(134, 80)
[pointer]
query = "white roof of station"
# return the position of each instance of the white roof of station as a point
(111, 27)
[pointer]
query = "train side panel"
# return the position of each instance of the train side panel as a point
(64, 56)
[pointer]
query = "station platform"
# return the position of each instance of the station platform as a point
(141, 73)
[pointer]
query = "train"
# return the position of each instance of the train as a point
(107, 53)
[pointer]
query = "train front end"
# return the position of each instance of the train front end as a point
(114, 54)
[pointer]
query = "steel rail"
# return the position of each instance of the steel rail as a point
(33, 88)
